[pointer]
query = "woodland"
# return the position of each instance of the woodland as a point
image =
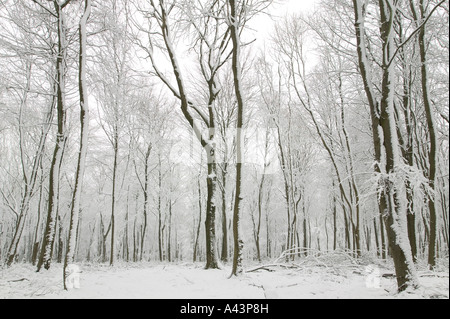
(224, 132)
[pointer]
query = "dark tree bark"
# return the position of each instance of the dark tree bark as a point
(215, 52)
(49, 235)
(237, 268)
(383, 120)
(432, 155)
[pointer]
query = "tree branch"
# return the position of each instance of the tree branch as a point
(414, 32)
(45, 8)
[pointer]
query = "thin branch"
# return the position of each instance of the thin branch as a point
(65, 3)
(414, 32)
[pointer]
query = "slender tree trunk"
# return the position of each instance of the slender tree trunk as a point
(334, 219)
(84, 133)
(169, 236)
(146, 184)
(258, 229)
(377, 241)
(238, 242)
(353, 185)
(49, 236)
(268, 240)
(60, 242)
(160, 248)
(113, 196)
(197, 235)
(224, 253)
(135, 244)
(408, 144)
(286, 187)
(432, 156)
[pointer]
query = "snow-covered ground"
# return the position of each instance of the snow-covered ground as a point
(191, 281)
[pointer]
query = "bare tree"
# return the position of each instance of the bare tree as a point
(432, 156)
(210, 43)
(384, 126)
(114, 88)
(84, 123)
(61, 138)
(238, 15)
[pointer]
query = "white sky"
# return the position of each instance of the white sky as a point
(263, 24)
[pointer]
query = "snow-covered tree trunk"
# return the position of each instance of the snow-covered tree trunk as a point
(146, 197)
(396, 214)
(384, 124)
(432, 156)
(237, 236)
(224, 251)
(210, 219)
(115, 143)
(198, 226)
(53, 199)
(215, 57)
(84, 133)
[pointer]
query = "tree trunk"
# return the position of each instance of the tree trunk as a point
(113, 196)
(146, 183)
(162, 13)
(197, 235)
(49, 235)
(334, 218)
(160, 248)
(408, 144)
(84, 133)
(396, 215)
(390, 208)
(238, 242)
(432, 156)
(224, 253)
(210, 220)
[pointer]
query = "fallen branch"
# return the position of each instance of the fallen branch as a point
(266, 267)
(432, 275)
(17, 280)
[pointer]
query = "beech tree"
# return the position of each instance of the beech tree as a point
(61, 137)
(385, 135)
(212, 52)
(84, 124)
(432, 156)
(238, 243)
(238, 15)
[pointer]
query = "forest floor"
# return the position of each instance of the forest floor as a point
(191, 281)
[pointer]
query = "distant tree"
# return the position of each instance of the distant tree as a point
(114, 86)
(23, 75)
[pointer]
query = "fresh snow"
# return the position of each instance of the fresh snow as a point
(192, 281)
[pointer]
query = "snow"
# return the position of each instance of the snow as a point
(192, 281)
